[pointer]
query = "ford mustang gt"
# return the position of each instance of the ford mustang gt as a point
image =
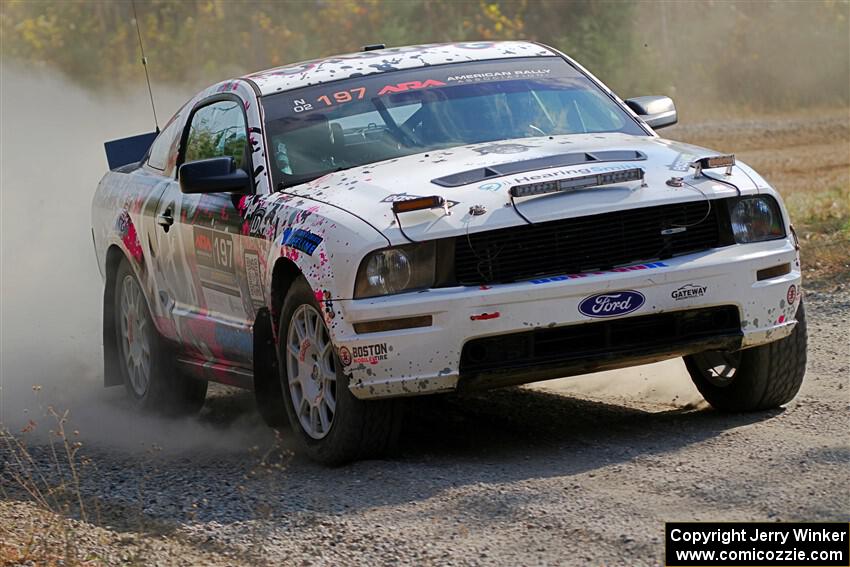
(342, 233)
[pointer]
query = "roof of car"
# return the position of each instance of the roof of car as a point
(391, 59)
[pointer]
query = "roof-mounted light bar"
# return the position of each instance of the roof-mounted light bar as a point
(578, 183)
(714, 162)
(420, 204)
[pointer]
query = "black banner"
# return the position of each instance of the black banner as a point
(763, 544)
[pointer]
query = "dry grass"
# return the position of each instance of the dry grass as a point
(47, 519)
(48, 538)
(822, 220)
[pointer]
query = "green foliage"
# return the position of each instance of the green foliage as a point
(767, 53)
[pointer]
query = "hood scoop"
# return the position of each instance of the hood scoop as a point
(514, 167)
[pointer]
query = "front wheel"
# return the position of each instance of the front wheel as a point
(331, 425)
(753, 379)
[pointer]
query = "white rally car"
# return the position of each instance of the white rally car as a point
(344, 232)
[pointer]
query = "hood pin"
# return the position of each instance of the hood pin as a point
(477, 210)
(675, 182)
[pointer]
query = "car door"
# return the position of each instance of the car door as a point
(203, 232)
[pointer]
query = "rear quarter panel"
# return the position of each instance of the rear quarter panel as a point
(123, 215)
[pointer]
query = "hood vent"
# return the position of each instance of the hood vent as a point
(515, 167)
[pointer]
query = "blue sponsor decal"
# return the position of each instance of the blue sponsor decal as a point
(494, 186)
(302, 240)
(611, 304)
(233, 340)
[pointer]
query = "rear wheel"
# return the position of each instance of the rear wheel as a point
(332, 426)
(150, 378)
(753, 379)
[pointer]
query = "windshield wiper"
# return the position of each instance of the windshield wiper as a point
(292, 180)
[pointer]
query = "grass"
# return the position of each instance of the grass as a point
(805, 155)
(51, 536)
(822, 221)
(46, 518)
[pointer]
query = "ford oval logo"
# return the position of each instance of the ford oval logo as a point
(611, 304)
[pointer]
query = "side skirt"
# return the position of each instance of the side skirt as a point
(215, 372)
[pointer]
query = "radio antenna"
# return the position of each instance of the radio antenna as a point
(145, 64)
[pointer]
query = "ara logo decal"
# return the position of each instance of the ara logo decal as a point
(410, 85)
(203, 242)
(611, 304)
(688, 291)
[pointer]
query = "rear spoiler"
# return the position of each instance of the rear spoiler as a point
(128, 150)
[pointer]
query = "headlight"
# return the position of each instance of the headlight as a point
(755, 219)
(394, 270)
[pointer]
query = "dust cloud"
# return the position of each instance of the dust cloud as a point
(660, 386)
(51, 159)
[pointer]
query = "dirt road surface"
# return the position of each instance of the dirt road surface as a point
(581, 471)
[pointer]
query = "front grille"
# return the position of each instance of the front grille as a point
(591, 243)
(588, 345)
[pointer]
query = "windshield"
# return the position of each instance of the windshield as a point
(316, 130)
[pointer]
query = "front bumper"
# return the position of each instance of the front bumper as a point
(428, 359)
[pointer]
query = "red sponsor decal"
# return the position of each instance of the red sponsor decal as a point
(791, 296)
(345, 356)
(485, 316)
(131, 241)
(410, 85)
(203, 243)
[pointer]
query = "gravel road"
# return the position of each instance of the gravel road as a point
(572, 472)
(509, 477)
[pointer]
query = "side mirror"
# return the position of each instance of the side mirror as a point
(213, 175)
(656, 111)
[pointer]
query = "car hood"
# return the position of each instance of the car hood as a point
(369, 191)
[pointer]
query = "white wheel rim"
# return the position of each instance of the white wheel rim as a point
(135, 336)
(311, 371)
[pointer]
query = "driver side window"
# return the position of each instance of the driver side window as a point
(218, 130)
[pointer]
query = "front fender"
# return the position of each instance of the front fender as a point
(325, 242)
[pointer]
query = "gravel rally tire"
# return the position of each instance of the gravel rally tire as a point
(330, 424)
(147, 365)
(754, 379)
